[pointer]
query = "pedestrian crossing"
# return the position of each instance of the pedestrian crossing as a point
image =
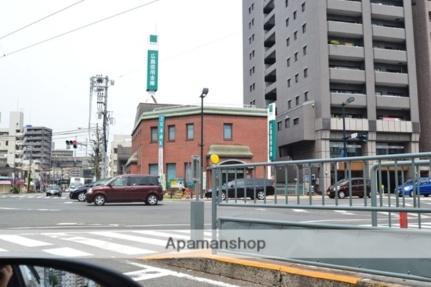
(31, 196)
(91, 244)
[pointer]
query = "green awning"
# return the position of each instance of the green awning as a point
(230, 151)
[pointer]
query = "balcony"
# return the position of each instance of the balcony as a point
(344, 75)
(390, 56)
(342, 7)
(351, 124)
(394, 126)
(342, 29)
(393, 102)
(384, 33)
(339, 97)
(270, 88)
(392, 79)
(386, 12)
(344, 52)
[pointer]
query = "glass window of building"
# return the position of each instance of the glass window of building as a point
(154, 134)
(190, 131)
(227, 131)
(171, 133)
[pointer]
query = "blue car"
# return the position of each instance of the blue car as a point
(423, 187)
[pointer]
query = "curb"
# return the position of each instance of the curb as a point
(272, 273)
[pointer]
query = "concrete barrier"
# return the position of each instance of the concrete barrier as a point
(274, 273)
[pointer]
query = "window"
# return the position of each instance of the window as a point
(297, 100)
(304, 50)
(296, 121)
(154, 134)
(227, 131)
(305, 96)
(296, 56)
(171, 133)
(287, 22)
(296, 78)
(190, 131)
(304, 28)
(171, 171)
(287, 42)
(295, 35)
(252, 37)
(303, 7)
(286, 2)
(121, 181)
(294, 15)
(288, 83)
(278, 126)
(287, 123)
(142, 180)
(153, 169)
(288, 62)
(289, 104)
(305, 72)
(252, 22)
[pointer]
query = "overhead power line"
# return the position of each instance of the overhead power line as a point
(41, 19)
(78, 28)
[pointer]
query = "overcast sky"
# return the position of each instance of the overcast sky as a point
(199, 42)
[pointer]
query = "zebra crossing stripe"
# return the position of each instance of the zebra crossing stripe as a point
(162, 234)
(23, 241)
(67, 252)
(187, 231)
(140, 239)
(3, 250)
(105, 245)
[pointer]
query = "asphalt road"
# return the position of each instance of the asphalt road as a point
(117, 234)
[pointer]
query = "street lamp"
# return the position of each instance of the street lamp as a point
(202, 96)
(343, 111)
(197, 207)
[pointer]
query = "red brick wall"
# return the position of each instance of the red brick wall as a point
(250, 131)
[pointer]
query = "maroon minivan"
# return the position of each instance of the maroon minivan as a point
(127, 188)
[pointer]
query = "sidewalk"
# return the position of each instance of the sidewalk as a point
(272, 272)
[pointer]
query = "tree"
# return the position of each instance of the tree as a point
(96, 155)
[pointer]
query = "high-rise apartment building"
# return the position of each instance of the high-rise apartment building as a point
(422, 25)
(312, 57)
(37, 146)
(11, 141)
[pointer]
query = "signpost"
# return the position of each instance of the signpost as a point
(161, 137)
(153, 68)
(272, 135)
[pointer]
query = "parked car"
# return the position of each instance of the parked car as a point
(423, 187)
(79, 193)
(252, 186)
(53, 189)
(342, 187)
(127, 188)
(74, 186)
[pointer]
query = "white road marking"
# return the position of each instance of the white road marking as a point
(8, 208)
(162, 234)
(67, 252)
(167, 272)
(140, 239)
(3, 250)
(300, 210)
(67, 223)
(344, 212)
(23, 241)
(68, 202)
(113, 247)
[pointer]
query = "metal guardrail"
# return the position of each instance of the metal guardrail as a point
(303, 184)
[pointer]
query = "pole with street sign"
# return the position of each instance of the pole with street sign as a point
(152, 68)
(272, 135)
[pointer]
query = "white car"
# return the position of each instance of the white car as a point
(53, 189)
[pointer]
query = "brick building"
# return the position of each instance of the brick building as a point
(237, 135)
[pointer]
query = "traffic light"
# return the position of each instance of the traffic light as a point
(74, 143)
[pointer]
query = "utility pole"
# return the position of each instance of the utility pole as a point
(29, 168)
(100, 84)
